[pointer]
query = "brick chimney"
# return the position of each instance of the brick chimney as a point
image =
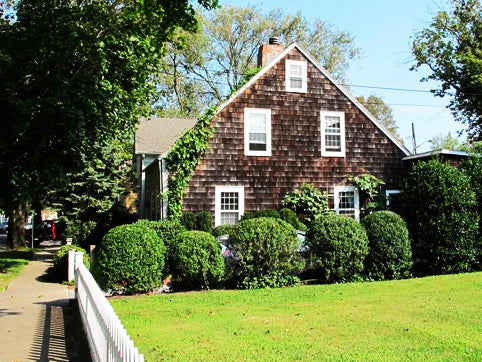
(269, 51)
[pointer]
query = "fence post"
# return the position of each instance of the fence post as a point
(70, 268)
(79, 258)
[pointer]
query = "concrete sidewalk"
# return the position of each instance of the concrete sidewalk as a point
(39, 319)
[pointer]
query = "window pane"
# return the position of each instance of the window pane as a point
(257, 137)
(296, 70)
(333, 143)
(332, 124)
(229, 201)
(347, 200)
(296, 82)
(257, 122)
(230, 218)
(257, 146)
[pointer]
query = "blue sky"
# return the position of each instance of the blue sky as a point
(382, 30)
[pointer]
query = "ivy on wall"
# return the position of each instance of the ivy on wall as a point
(186, 154)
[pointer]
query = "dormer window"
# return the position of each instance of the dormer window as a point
(332, 134)
(257, 132)
(296, 76)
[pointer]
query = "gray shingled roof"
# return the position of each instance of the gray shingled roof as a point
(157, 135)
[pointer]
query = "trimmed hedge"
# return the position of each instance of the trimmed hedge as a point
(195, 260)
(439, 207)
(61, 259)
(222, 230)
(204, 221)
(290, 217)
(129, 259)
(265, 253)
(167, 230)
(390, 251)
(338, 246)
(188, 220)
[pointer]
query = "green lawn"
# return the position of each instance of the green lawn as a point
(11, 264)
(435, 318)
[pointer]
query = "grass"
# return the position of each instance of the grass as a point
(11, 264)
(436, 318)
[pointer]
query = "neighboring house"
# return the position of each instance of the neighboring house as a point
(291, 124)
(154, 137)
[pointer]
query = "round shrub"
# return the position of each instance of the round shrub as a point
(167, 230)
(265, 252)
(195, 260)
(273, 213)
(247, 215)
(290, 217)
(261, 213)
(390, 251)
(61, 259)
(129, 259)
(439, 207)
(338, 246)
(188, 220)
(204, 222)
(222, 230)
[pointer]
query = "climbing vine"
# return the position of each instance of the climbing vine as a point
(368, 186)
(186, 154)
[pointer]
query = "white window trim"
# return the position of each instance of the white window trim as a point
(391, 192)
(325, 153)
(337, 190)
(247, 151)
(217, 201)
(304, 75)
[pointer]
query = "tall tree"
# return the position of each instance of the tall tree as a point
(452, 49)
(382, 111)
(73, 75)
(447, 142)
(213, 61)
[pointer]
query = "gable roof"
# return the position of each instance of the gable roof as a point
(156, 135)
(340, 87)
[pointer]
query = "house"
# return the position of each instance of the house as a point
(291, 124)
(154, 137)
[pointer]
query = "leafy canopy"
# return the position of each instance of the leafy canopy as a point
(451, 47)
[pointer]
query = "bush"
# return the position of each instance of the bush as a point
(338, 246)
(308, 201)
(79, 231)
(61, 260)
(222, 230)
(274, 214)
(261, 213)
(188, 220)
(167, 230)
(440, 210)
(195, 260)
(290, 217)
(246, 216)
(129, 259)
(390, 251)
(204, 222)
(265, 252)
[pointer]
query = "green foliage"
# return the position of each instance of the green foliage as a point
(290, 217)
(167, 230)
(76, 75)
(451, 48)
(130, 259)
(188, 220)
(195, 260)
(183, 158)
(390, 250)
(204, 221)
(447, 142)
(79, 230)
(368, 186)
(439, 208)
(382, 111)
(308, 201)
(274, 214)
(338, 246)
(61, 259)
(261, 213)
(265, 250)
(222, 230)
(247, 215)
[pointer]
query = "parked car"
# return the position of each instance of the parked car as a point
(4, 227)
(43, 231)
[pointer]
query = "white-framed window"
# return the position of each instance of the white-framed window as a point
(332, 134)
(347, 201)
(296, 76)
(391, 194)
(229, 204)
(257, 132)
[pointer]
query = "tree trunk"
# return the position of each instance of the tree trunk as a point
(16, 228)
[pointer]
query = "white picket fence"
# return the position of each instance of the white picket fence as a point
(108, 339)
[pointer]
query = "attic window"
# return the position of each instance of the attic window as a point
(257, 132)
(332, 134)
(296, 76)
